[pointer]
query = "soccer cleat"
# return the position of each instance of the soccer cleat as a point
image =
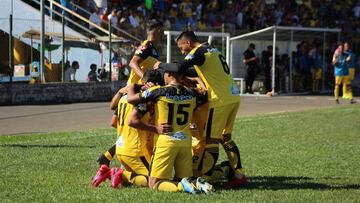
(204, 186)
(236, 182)
(116, 177)
(352, 101)
(188, 186)
(337, 101)
(102, 174)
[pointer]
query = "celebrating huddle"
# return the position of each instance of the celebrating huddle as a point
(170, 119)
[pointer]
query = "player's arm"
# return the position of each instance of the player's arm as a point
(135, 121)
(151, 94)
(201, 97)
(114, 118)
(115, 100)
(335, 59)
(134, 65)
(196, 58)
(141, 53)
(348, 59)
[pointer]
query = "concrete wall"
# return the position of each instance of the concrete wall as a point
(55, 93)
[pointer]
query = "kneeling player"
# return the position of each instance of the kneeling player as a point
(174, 106)
(130, 147)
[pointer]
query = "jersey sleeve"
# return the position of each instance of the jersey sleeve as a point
(196, 58)
(142, 108)
(151, 94)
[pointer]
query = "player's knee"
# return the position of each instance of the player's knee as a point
(209, 159)
(140, 181)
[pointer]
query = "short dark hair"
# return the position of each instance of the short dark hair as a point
(74, 63)
(189, 35)
(252, 46)
(93, 66)
(154, 76)
(153, 24)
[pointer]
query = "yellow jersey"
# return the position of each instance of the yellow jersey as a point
(131, 141)
(212, 68)
(174, 105)
(150, 56)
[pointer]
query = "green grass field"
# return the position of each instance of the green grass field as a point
(290, 157)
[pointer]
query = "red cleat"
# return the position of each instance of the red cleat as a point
(116, 177)
(102, 174)
(236, 182)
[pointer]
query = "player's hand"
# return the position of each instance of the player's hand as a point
(164, 128)
(156, 65)
(147, 86)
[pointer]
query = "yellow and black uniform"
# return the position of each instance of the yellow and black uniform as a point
(131, 141)
(150, 56)
(224, 101)
(174, 106)
(223, 93)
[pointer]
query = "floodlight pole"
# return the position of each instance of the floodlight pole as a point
(323, 63)
(110, 47)
(291, 62)
(42, 38)
(228, 50)
(11, 43)
(63, 47)
(168, 47)
(11, 49)
(273, 61)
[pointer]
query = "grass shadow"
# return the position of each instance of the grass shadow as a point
(47, 146)
(289, 183)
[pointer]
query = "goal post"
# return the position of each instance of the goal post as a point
(286, 40)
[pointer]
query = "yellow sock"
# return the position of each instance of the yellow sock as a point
(140, 181)
(134, 179)
(126, 177)
(336, 92)
(167, 186)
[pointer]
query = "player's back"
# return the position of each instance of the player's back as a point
(131, 141)
(216, 75)
(174, 106)
(341, 67)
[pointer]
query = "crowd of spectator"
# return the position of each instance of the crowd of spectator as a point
(235, 15)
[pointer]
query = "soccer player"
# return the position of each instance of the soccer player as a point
(131, 147)
(146, 54)
(224, 101)
(351, 76)
(174, 106)
(340, 61)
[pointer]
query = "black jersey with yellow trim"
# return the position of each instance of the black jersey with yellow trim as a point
(150, 56)
(212, 68)
(174, 105)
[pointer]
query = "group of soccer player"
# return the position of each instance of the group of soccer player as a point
(344, 62)
(171, 118)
